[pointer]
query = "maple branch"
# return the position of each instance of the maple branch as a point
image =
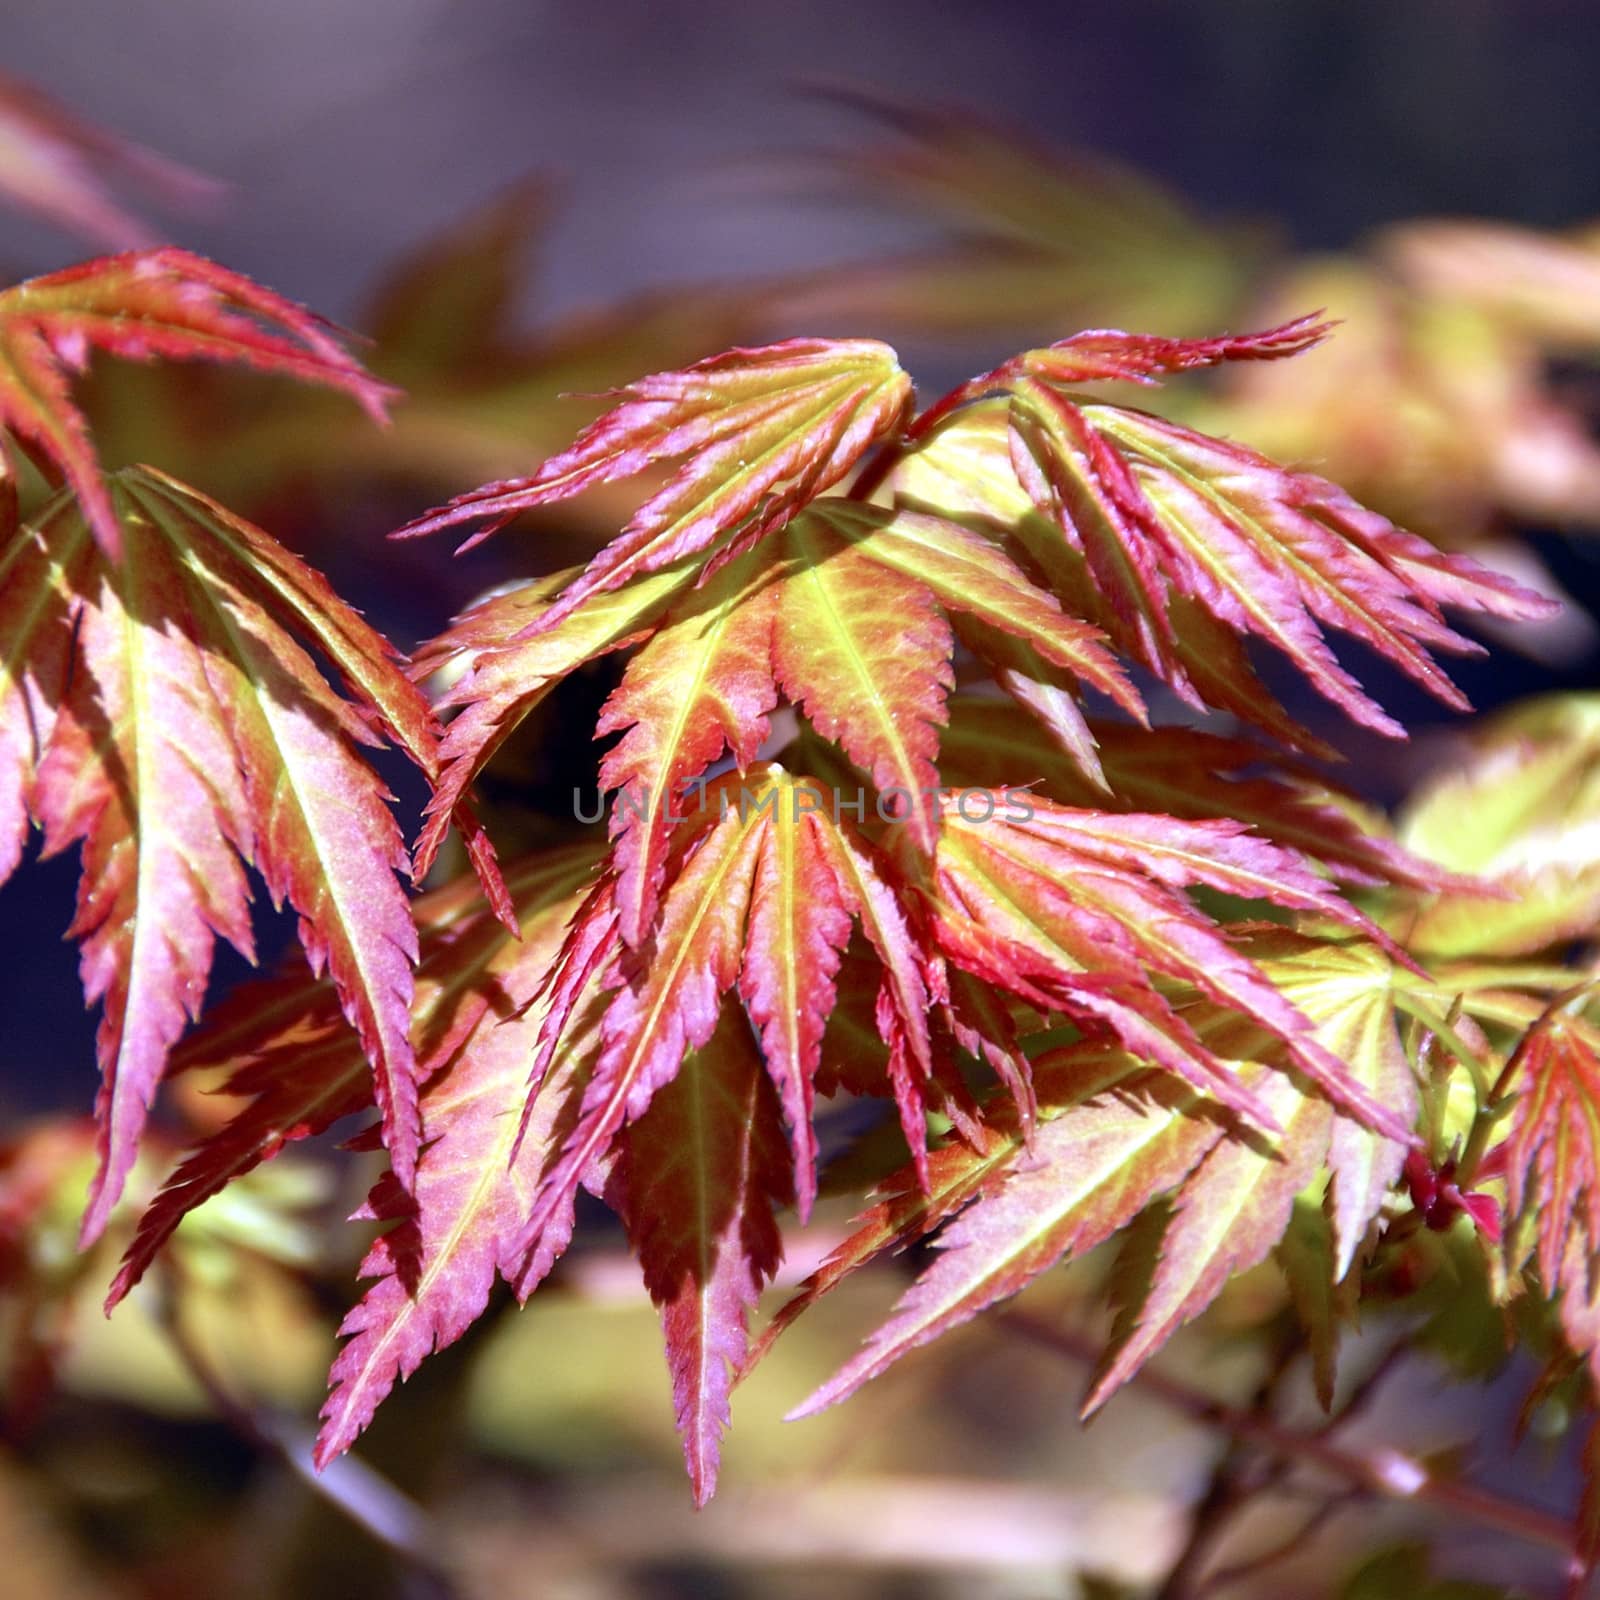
(1366, 1388)
(1308, 1528)
(1245, 1488)
(1392, 1474)
(1231, 1486)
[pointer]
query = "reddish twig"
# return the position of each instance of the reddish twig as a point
(1383, 1472)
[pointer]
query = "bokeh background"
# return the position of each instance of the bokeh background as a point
(354, 128)
(676, 146)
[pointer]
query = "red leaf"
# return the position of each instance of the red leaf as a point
(1108, 353)
(1552, 1147)
(1282, 554)
(763, 885)
(1164, 518)
(1112, 1140)
(701, 685)
(195, 735)
(1090, 1171)
(760, 432)
(1075, 910)
(1227, 1216)
(668, 1004)
(477, 1172)
(291, 1049)
(699, 1178)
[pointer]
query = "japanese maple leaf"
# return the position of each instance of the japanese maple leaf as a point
(1551, 1153)
(1541, 284)
(1112, 1138)
(1237, 1205)
(1070, 911)
(286, 1047)
(850, 612)
(1228, 1214)
(161, 712)
(1181, 540)
(55, 164)
(472, 1026)
(758, 431)
(698, 1179)
(909, 1205)
(146, 304)
(764, 887)
(1158, 508)
(1107, 1143)
(482, 1162)
(1076, 911)
(963, 469)
(698, 1176)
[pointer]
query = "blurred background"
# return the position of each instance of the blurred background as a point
(662, 181)
(352, 130)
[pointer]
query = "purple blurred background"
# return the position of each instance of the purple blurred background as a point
(350, 128)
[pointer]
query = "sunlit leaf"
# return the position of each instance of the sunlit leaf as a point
(476, 1022)
(285, 1043)
(698, 1179)
(182, 732)
(1519, 808)
(758, 431)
